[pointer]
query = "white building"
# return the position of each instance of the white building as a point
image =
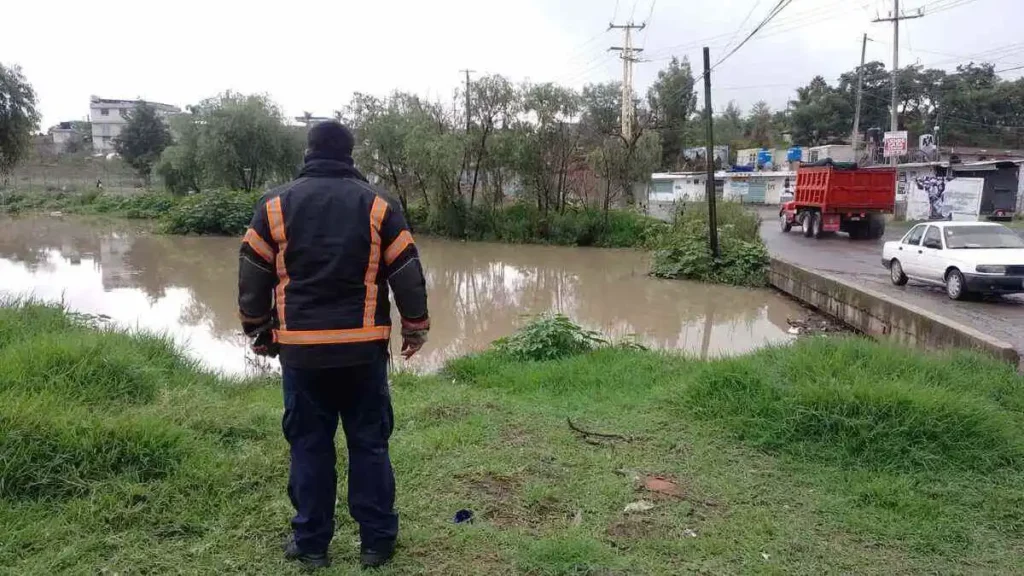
(109, 117)
(837, 152)
(668, 189)
(758, 187)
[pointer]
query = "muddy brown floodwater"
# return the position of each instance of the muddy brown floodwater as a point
(186, 287)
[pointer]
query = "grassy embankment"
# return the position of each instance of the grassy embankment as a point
(831, 456)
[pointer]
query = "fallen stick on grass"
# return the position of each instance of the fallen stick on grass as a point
(587, 434)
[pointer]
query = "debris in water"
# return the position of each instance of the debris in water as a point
(638, 506)
(463, 516)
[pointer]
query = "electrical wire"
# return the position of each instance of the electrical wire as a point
(772, 14)
(744, 23)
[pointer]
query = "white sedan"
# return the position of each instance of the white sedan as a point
(965, 257)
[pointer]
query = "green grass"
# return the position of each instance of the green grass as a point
(830, 456)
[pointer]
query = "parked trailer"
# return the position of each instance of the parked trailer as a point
(836, 197)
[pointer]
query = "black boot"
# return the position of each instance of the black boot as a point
(309, 560)
(377, 555)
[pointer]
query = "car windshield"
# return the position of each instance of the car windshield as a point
(981, 237)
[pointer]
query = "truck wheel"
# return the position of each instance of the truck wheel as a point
(876, 227)
(857, 230)
(956, 288)
(896, 273)
(817, 230)
(784, 223)
(806, 222)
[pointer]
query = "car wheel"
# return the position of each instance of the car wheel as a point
(956, 288)
(784, 223)
(896, 273)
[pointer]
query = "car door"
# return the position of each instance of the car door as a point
(931, 257)
(907, 251)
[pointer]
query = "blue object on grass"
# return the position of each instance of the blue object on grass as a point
(463, 516)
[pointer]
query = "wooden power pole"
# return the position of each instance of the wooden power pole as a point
(709, 159)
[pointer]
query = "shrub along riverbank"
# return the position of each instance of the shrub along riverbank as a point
(831, 456)
(228, 213)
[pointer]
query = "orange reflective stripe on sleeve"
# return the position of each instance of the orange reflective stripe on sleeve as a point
(313, 337)
(377, 212)
(258, 245)
(275, 217)
(403, 241)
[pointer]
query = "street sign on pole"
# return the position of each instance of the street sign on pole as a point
(895, 144)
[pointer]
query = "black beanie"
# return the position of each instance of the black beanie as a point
(330, 141)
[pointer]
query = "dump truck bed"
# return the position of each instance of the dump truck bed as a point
(841, 190)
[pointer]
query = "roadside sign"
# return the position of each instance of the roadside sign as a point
(895, 144)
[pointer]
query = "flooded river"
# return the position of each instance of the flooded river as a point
(186, 287)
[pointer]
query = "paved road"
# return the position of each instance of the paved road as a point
(860, 261)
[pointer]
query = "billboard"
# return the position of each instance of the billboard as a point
(939, 198)
(895, 144)
(696, 155)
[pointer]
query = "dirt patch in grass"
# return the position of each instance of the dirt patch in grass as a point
(514, 435)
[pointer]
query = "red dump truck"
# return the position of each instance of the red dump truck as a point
(839, 197)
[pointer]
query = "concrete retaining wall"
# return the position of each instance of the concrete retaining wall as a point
(877, 314)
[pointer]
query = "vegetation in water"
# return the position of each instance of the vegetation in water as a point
(828, 456)
(549, 337)
(684, 252)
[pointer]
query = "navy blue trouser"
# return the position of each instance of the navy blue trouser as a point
(314, 399)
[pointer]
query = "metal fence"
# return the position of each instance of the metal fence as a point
(104, 175)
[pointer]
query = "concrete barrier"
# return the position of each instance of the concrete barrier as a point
(877, 314)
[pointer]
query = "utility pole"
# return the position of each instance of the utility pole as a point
(709, 159)
(860, 92)
(628, 57)
(468, 117)
(895, 19)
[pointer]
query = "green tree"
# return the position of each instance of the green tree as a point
(143, 139)
(18, 117)
(729, 127)
(244, 143)
(233, 140)
(820, 114)
(672, 101)
(180, 166)
(760, 129)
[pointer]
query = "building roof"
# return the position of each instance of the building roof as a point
(94, 100)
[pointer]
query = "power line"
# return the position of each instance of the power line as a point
(650, 13)
(772, 14)
(744, 23)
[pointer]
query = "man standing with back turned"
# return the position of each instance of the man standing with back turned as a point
(313, 279)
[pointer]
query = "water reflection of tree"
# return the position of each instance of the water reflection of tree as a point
(206, 266)
(30, 240)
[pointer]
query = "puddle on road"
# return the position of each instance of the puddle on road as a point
(186, 287)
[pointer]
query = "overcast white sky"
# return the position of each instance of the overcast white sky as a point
(312, 54)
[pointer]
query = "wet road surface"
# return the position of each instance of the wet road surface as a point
(1001, 317)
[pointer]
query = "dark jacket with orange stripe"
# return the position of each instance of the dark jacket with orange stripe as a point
(322, 250)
